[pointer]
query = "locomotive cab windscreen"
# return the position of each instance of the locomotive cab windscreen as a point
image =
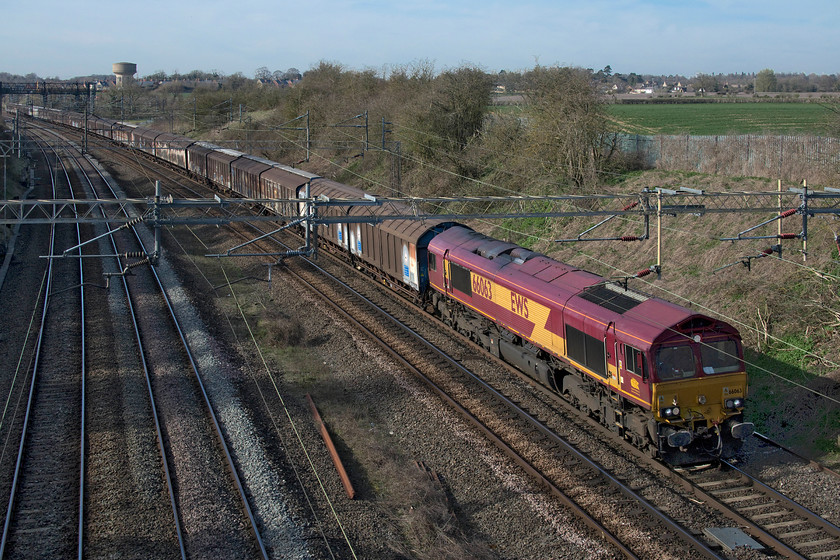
(695, 359)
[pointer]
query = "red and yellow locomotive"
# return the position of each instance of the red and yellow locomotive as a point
(668, 379)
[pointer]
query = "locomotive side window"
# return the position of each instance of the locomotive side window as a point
(461, 280)
(675, 362)
(586, 350)
(720, 356)
(636, 362)
(432, 261)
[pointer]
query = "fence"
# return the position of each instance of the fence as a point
(791, 158)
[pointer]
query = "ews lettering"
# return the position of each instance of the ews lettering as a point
(519, 304)
(482, 287)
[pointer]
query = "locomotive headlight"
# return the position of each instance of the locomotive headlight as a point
(734, 403)
(671, 412)
(701, 399)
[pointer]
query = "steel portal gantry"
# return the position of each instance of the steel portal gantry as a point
(159, 211)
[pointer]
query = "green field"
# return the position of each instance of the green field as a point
(722, 118)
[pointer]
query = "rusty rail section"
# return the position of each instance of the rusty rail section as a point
(325, 435)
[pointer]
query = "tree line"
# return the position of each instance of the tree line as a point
(450, 136)
(409, 129)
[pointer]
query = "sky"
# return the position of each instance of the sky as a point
(60, 38)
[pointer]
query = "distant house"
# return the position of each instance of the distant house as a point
(275, 83)
(642, 90)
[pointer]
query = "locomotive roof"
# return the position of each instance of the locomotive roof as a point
(645, 318)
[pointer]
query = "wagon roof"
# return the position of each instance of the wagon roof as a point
(174, 140)
(250, 165)
(202, 147)
(150, 133)
(223, 155)
(295, 171)
(334, 189)
(284, 178)
(406, 230)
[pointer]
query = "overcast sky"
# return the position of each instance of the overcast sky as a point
(67, 39)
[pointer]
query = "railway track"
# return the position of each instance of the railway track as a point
(824, 548)
(208, 509)
(789, 528)
(45, 503)
(210, 504)
(259, 474)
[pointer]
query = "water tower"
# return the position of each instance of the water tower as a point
(124, 71)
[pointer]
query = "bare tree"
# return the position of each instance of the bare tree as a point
(566, 123)
(457, 108)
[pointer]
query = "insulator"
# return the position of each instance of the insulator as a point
(787, 213)
(629, 238)
(787, 236)
(767, 251)
(131, 254)
(644, 272)
(629, 206)
(134, 221)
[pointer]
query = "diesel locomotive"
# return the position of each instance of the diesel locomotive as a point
(667, 379)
